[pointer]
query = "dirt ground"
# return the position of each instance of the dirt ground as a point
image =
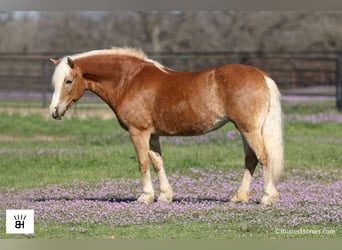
(104, 113)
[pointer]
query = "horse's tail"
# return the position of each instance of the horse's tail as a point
(272, 132)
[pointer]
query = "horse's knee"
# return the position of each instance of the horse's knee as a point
(144, 166)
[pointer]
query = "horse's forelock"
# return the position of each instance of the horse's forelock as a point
(61, 71)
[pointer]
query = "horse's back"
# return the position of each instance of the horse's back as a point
(239, 76)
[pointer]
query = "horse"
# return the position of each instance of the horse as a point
(151, 100)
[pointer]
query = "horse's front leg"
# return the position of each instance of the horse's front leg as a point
(166, 193)
(140, 140)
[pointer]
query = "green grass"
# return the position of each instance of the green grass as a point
(93, 149)
(171, 231)
(309, 107)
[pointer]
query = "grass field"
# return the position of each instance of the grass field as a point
(81, 178)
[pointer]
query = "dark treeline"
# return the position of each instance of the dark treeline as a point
(38, 32)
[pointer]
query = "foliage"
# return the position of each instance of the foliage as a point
(171, 31)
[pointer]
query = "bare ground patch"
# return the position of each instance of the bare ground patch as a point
(11, 138)
(82, 113)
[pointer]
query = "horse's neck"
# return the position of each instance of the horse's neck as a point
(107, 80)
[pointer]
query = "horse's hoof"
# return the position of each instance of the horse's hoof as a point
(146, 198)
(237, 199)
(269, 200)
(165, 198)
(240, 197)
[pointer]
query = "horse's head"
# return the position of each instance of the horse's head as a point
(68, 86)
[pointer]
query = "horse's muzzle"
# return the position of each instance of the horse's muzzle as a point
(58, 111)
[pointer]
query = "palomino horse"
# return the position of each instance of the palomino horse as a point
(150, 100)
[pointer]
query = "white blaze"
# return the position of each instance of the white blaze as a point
(61, 72)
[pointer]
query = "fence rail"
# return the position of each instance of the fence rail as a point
(27, 76)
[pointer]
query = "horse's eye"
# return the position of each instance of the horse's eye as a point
(69, 81)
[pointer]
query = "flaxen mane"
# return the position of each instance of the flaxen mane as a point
(126, 51)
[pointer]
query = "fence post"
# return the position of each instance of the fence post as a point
(339, 83)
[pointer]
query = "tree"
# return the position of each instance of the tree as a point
(175, 31)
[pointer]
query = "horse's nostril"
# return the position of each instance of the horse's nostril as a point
(55, 113)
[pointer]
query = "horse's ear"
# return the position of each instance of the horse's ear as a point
(71, 62)
(54, 61)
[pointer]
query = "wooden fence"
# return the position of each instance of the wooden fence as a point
(26, 77)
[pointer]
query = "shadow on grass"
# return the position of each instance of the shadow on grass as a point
(132, 200)
(129, 200)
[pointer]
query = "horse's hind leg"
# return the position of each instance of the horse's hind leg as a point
(166, 193)
(256, 144)
(251, 161)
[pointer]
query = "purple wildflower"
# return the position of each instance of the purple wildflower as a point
(202, 196)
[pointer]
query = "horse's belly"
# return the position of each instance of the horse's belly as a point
(190, 115)
(218, 123)
(187, 125)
